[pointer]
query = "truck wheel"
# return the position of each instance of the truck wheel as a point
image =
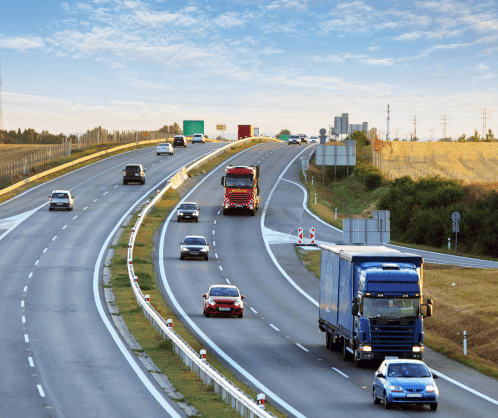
(359, 363)
(433, 406)
(345, 353)
(225, 212)
(124, 182)
(253, 212)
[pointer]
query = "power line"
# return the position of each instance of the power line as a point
(484, 118)
(432, 132)
(415, 127)
(1, 107)
(387, 133)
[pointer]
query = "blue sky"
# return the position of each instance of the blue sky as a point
(129, 64)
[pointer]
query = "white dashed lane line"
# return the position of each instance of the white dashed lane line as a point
(36, 263)
(254, 310)
(23, 319)
(274, 327)
(213, 231)
(75, 217)
(218, 212)
(64, 227)
(228, 281)
(116, 185)
(26, 338)
(30, 275)
(54, 238)
(95, 200)
(300, 346)
(221, 268)
(25, 289)
(214, 243)
(105, 193)
(31, 362)
(40, 389)
(45, 250)
(22, 304)
(215, 221)
(85, 208)
(216, 255)
(341, 373)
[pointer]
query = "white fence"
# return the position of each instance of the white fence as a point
(227, 391)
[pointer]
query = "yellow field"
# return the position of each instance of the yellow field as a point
(14, 152)
(475, 163)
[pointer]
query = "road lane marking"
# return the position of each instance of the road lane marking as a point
(26, 338)
(25, 289)
(218, 213)
(23, 319)
(274, 327)
(105, 193)
(341, 373)
(64, 227)
(300, 346)
(54, 238)
(40, 389)
(214, 222)
(95, 200)
(254, 310)
(31, 362)
(213, 231)
(221, 268)
(22, 304)
(228, 281)
(116, 185)
(30, 275)
(214, 243)
(75, 217)
(85, 208)
(37, 261)
(45, 250)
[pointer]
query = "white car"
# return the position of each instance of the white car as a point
(198, 138)
(294, 139)
(164, 148)
(313, 140)
(61, 199)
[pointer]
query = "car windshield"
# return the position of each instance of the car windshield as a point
(197, 135)
(408, 370)
(224, 291)
(132, 168)
(244, 181)
(60, 195)
(178, 138)
(194, 241)
(188, 206)
(163, 145)
(390, 308)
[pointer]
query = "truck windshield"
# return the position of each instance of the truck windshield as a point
(391, 308)
(239, 181)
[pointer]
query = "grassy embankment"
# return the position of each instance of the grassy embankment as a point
(75, 154)
(467, 305)
(204, 399)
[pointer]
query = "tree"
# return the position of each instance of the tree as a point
(461, 138)
(164, 129)
(283, 132)
(475, 138)
(489, 136)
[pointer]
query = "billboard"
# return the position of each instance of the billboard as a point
(191, 127)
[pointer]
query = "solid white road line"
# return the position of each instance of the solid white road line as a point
(26, 338)
(300, 346)
(64, 227)
(25, 289)
(254, 310)
(31, 362)
(30, 275)
(274, 327)
(23, 319)
(45, 250)
(36, 263)
(40, 389)
(341, 373)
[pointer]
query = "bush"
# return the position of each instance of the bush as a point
(369, 175)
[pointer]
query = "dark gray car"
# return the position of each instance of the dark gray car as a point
(188, 211)
(134, 173)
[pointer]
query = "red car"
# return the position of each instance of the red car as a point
(223, 299)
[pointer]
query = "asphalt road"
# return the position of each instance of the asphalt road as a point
(276, 347)
(59, 358)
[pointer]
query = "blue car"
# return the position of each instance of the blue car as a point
(405, 381)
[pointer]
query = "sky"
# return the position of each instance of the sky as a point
(68, 66)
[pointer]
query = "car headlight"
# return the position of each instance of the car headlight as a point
(180, 213)
(394, 388)
(184, 249)
(211, 302)
(237, 303)
(430, 388)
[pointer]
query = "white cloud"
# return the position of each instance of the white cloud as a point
(229, 20)
(288, 4)
(380, 62)
(413, 36)
(373, 48)
(21, 44)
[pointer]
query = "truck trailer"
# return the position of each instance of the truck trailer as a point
(371, 302)
(191, 127)
(241, 185)
(245, 131)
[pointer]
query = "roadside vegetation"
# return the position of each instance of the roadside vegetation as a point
(203, 398)
(421, 218)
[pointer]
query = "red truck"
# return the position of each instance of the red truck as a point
(246, 131)
(241, 185)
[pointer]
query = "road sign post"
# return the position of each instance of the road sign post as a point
(323, 140)
(455, 216)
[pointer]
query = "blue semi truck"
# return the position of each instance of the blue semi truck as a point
(371, 302)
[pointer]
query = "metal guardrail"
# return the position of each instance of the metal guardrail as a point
(227, 391)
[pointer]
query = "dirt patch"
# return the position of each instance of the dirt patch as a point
(14, 152)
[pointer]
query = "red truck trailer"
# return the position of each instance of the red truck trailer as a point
(241, 185)
(246, 131)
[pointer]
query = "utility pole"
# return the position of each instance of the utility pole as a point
(484, 118)
(1, 107)
(415, 126)
(444, 123)
(397, 130)
(432, 132)
(387, 133)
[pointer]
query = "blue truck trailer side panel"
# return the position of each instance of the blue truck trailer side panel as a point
(329, 292)
(346, 283)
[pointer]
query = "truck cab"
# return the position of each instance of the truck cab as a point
(241, 185)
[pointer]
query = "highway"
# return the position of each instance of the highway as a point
(60, 357)
(276, 348)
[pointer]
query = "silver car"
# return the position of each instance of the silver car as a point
(164, 148)
(198, 138)
(194, 246)
(61, 199)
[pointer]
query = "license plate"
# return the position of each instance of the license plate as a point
(413, 395)
(194, 253)
(224, 309)
(59, 204)
(137, 174)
